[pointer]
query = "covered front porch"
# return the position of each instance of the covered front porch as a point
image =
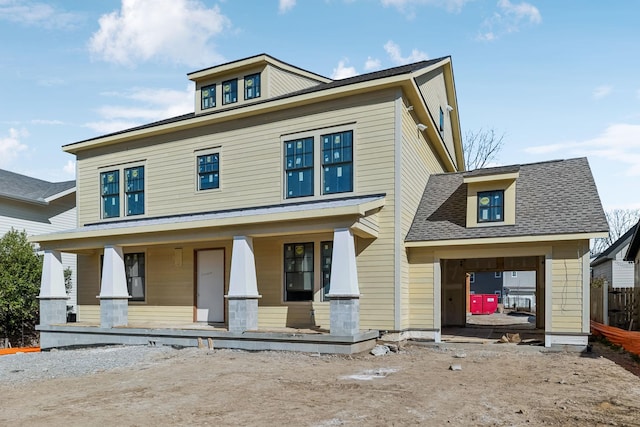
(162, 302)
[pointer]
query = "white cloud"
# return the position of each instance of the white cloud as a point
(342, 71)
(372, 64)
(393, 50)
(509, 18)
(37, 14)
(46, 122)
(11, 146)
(176, 31)
(619, 143)
(286, 5)
(408, 6)
(602, 91)
(143, 105)
(70, 168)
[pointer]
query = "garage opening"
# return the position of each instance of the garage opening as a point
(492, 296)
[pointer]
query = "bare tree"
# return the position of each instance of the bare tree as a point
(620, 221)
(481, 147)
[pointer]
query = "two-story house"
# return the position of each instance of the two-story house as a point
(37, 206)
(289, 200)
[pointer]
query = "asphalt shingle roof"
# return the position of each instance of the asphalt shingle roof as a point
(21, 187)
(615, 247)
(555, 197)
(634, 246)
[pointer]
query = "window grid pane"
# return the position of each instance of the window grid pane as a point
(134, 182)
(208, 97)
(491, 206)
(209, 171)
(135, 272)
(110, 194)
(337, 162)
(298, 268)
(252, 86)
(299, 167)
(230, 91)
(325, 265)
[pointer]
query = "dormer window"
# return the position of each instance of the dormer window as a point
(208, 96)
(491, 206)
(230, 91)
(252, 86)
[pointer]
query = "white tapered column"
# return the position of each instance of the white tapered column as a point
(53, 295)
(243, 287)
(114, 304)
(344, 291)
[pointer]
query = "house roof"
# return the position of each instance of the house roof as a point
(376, 75)
(552, 198)
(634, 246)
(617, 246)
(32, 190)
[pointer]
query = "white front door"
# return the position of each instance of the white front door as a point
(210, 276)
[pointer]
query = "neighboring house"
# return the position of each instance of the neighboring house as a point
(519, 289)
(38, 207)
(288, 200)
(486, 282)
(611, 266)
(633, 254)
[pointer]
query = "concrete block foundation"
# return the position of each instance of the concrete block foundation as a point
(114, 312)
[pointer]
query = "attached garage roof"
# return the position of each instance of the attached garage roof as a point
(552, 198)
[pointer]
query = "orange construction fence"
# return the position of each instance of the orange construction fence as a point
(629, 340)
(14, 350)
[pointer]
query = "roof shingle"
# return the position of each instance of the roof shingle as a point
(22, 187)
(555, 197)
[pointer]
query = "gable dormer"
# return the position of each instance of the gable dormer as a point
(248, 81)
(491, 196)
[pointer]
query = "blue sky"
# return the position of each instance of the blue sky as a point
(560, 79)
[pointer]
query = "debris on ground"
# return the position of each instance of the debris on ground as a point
(510, 338)
(380, 350)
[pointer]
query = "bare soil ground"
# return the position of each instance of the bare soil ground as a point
(498, 385)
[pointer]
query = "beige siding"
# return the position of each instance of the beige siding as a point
(88, 314)
(421, 289)
(281, 82)
(433, 89)
(567, 287)
(169, 315)
(418, 162)
(251, 159)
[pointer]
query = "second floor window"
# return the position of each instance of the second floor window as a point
(299, 167)
(230, 91)
(110, 194)
(134, 190)
(491, 206)
(252, 86)
(337, 162)
(209, 171)
(208, 97)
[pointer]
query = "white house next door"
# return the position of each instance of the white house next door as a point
(210, 286)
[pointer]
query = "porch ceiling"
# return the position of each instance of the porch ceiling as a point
(290, 218)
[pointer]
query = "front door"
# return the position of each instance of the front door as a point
(210, 286)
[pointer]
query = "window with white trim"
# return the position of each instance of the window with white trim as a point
(208, 96)
(122, 186)
(252, 86)
(298, 272)
(337, 162)
(230, 91)
(134, 268)
(208, 171)
(299, 167)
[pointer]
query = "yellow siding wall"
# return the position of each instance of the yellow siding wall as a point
(421, 289)
(281, 82)
(418, 162)
(433, 89)
(567, 287)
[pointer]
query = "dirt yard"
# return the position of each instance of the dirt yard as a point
(498, 385)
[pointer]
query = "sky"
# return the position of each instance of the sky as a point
(558, 79)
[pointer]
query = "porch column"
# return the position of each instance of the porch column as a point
(344, 293)
(53, 295)
(114, 297)
(243, 287)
